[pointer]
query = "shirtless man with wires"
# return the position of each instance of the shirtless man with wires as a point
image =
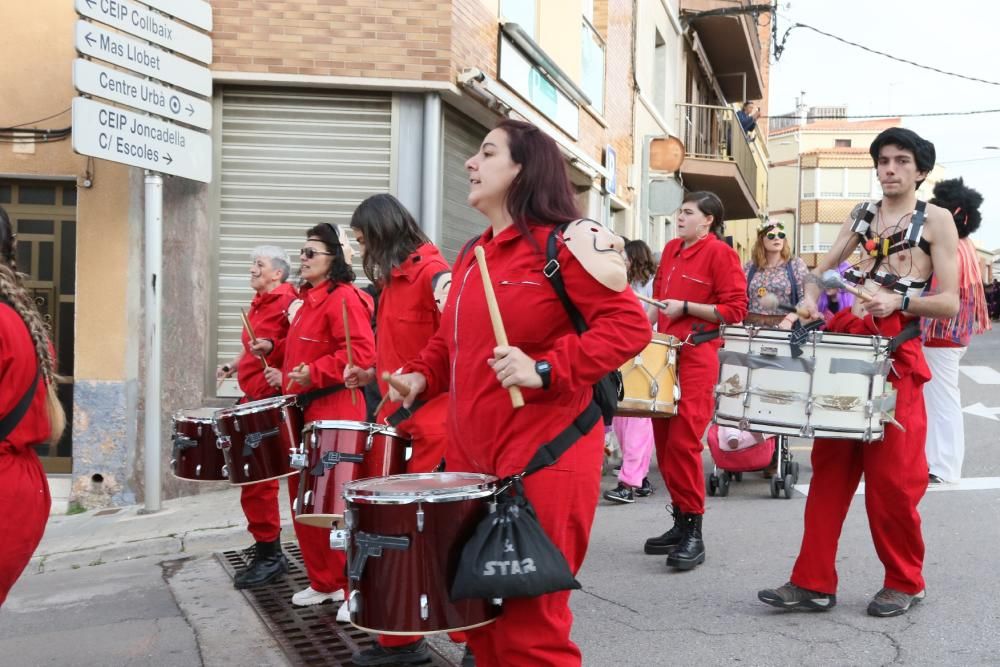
(903, 241)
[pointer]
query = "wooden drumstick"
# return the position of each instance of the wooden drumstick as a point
(770, 300)
(403, 389)
(347, 338)
(833, 280)
(253, 338)
(652, 302)
(516, 398)
(298, 369)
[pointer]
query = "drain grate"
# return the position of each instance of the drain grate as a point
(307, 635)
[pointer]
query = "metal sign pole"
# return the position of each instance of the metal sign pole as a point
(153, 285)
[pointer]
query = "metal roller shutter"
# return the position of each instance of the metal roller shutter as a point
(461, 222)
(290, 159)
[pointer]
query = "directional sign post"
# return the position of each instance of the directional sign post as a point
(196, 12)
(135, 19)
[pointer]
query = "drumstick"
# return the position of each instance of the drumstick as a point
(833, 280)
(403, 389)
(298, 369)
(498, 331)
(770, 300)
(253, 338)
(652, 302)
(347, 338)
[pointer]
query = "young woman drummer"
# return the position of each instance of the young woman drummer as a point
(27, 388)
(315, 356)
(518, 180)
(702, 284)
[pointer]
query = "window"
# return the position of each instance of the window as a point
(858, 183)
(522, 12)
(831, 183)
(808, 183)
(660, 74)
(593, 66)
(842, 143)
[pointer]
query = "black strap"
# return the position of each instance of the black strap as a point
(908, 332)
(550, 452)
(553, 273)
(703, 337)
(402, 414)
(303, 400)
(13, 418)
(465, 249)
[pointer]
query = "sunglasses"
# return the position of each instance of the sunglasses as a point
(771, 236)
(309, 253)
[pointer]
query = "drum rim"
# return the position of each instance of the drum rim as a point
(255, 406)
(738, 332)
(338, 423)
(179, 416)
(486, 487)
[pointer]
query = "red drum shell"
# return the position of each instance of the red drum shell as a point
(321, 496)
(258, 437)
(390, 594)
(197, 455)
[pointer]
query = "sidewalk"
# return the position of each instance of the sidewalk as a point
(190, 525)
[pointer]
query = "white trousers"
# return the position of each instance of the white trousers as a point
(945, 426)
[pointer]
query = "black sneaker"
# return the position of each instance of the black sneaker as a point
(934, 479)
(410, 654)
(890, 602)
(645, 490)
(791, 596)
(620, 494)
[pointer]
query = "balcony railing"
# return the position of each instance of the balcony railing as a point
(714, 133)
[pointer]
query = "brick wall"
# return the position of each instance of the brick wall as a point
(392, 39)
(475, 31)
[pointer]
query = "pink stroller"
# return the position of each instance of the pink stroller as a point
(730, 464)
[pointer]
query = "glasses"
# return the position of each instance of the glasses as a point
(771, 236)
(309, 253)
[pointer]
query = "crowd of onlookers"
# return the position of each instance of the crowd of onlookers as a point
(993, 299)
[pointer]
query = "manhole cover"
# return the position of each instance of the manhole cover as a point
(308, 635)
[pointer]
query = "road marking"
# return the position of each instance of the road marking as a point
(981, 374)
(966, 484)
(981, 410)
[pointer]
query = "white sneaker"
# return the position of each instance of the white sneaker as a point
(343, 614)
(311, 596)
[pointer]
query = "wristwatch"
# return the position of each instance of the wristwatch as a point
(905, 305)
(544, 370)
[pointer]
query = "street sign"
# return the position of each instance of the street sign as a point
(93, 40)
(111, 133)
(117, 86)
(196, 12)
(136, 19)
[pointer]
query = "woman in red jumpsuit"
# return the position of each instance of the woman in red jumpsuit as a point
(701, 281)
(315, 356)
(518, 181)
(25, 356)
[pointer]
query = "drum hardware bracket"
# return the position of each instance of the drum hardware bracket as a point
(173, 465)
(420, 519)
(246, 469)
(354, 602)
(297, 459)
(225, 471)
(425, 611)
(370, 545)
(197, 470)
(338, 539)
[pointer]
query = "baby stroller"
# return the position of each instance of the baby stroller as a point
(731, 464)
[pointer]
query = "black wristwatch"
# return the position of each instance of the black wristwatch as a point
(544, 370)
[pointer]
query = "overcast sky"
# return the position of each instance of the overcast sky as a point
(962, 39)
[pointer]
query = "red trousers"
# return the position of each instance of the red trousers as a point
(895, 472)
(25, 499)
(535, 631)
(260, 506)
(678, 439)
(325, 567)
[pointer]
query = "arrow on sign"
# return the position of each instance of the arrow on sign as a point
(90, 39)
(981, 410)
(190, 110)
(91, 2)
(167, 158)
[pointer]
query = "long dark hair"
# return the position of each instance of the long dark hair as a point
(391, 235)
(340, 270)
(541, 192)
(641, 266)
(709, 204)
(962, 202)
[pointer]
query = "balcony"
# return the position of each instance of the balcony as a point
(719, 157)
(731, 45)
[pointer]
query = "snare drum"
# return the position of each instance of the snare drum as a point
(823, 385)
(258, 437)
(335, 452)
(405, 539)
(650, 380)
(197, 454)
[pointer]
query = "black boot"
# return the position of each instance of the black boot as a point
(661, 545)
(409, 654)
(691, 551)
(268, 564)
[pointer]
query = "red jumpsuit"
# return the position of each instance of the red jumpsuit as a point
(708, 272)
(24, 490)
(317, 338)
(406, 319)
(268, 316)
(895, 471)
(486, 435)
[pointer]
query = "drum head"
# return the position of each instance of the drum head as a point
(257, 406)
(339, 425)
(201, 415)
(428, 487)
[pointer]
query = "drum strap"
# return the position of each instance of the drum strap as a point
(303, 400)
(909, 332)
(550, 452)
(13, 418)
(402, 414)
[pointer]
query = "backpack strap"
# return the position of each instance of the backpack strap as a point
(750, 274)
(551, 271)
(792, 282)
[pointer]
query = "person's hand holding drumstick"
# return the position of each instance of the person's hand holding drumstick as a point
(415, 383)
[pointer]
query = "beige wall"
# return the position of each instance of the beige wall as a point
(37, 63)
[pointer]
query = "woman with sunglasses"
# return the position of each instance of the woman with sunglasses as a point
(315, 357)
(774, 278)
(700, 282)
